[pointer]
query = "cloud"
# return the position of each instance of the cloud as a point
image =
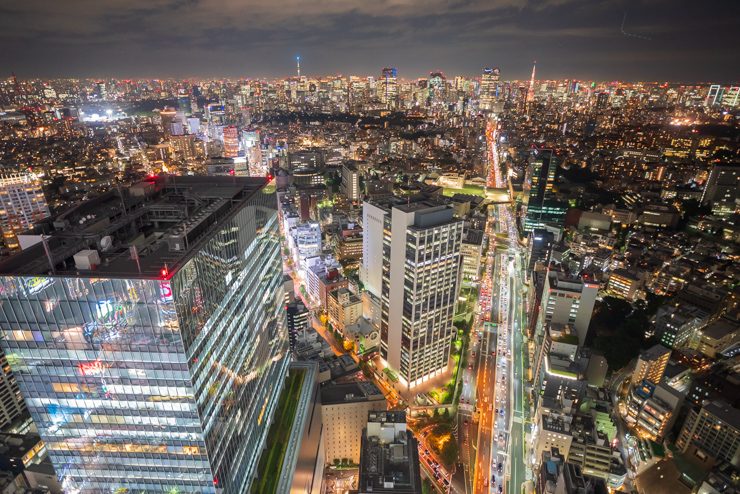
(129, 38)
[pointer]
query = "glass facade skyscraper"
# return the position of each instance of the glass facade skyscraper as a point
(150, 344)
(539, 205)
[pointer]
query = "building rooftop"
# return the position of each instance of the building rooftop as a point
(389, 457)
(391, 416)
(655, 352)
(165, 220)
(724, 412)
(474, 237)
(560, 281)
(719, 329)
(335, 394)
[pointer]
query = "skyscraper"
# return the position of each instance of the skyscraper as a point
(389, 87)
(538, 203)
(231, 142)
(419, 275)
(437, 86)
(487, 90)
(169, 117)
(541, 243)
(150, 340)
(23, 205)
(602, 100)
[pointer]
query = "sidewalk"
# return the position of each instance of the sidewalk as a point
(436, 382)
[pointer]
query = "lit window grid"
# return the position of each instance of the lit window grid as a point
(108, 378)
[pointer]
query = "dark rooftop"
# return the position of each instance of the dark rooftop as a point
(165, 220)
(333, 394)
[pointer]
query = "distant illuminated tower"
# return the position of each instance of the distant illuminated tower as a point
(389, 95)
(487, 90)
(437, 86)
(496, 76)
(602, 100)
(231, 142)
(169, 117)
(298, 63)
(530, 94)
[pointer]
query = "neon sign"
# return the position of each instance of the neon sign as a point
(103, 308)
(165, 290)
(35, 285)
(91, 368)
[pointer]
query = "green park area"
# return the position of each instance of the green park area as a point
(466, 302)
(467, 189)
(271, 461)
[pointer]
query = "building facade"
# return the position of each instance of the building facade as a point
(472, 250)
(344, 409)
(568, 301)
(156, 368)
(23, 205)
(12, 405)
(351, 182)
(420, 284)
(651, 365)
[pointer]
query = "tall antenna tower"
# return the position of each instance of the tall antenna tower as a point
(530, 94)
(298, 62)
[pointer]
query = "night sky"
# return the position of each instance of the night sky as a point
(690, 40)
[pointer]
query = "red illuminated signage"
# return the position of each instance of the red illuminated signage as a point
(91, 368)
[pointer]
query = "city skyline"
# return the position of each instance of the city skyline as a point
(571, 39)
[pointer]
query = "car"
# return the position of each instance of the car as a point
(462, 400)
(500, 489)
(467, 402)
(470, 366)
(493, 352)
(426, 452)
(465, 442)
(473, 354)
(465, 422)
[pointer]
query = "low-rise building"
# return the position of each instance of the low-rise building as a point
(625, 284)
(471, 251)
(320, 281)
(653, 409)
(343, 309)
(389, 457)
(718, 336)
(651, 364)
(712, 430)
(676, 324)
(344, 412)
